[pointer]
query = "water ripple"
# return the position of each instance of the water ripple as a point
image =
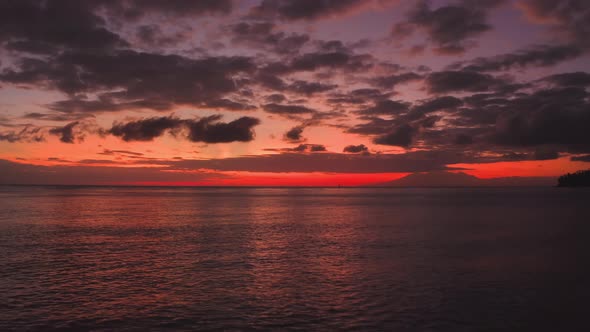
(133, 259)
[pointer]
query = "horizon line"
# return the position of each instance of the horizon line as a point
(267, 186)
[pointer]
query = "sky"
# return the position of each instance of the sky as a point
(291, 92)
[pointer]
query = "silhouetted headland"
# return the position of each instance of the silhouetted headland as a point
(460, 179)
(577, 179)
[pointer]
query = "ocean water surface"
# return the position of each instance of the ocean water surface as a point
(233, 259)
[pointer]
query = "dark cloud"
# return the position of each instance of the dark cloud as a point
(463, 139)
(537, 56)
(545, 154)
(357, 96)
(270, 81)
(361, 148)
(423, 69)
(309, 88)
(152, 35)
(418, 161)
(331, 46)
(252, 30)
(303, 9)
(289, 43)
(368, 93)
(32, 47)
(58, 160)
(276, 98)
(263, 34)
(361, 43)
(149, 34)
(437, 104)
(453, 81)
(295, 134)
(570, 79)
(141, 80)
(545, 121)
(427, 121)
(388, 82)
(568, 17)
(80, 107)
(101, 162)
(407, 123)
(324, 119)
(322, 60)
(228, 104)
(452, 27)
(132, 9)
(44, 26)
(552, 116)
(373, 126)
(515, 156)
(300, 148)
(402, 135)
(317, 148)
(584, 158)
(301, 87)
(386, 107)
(145, 129)
(26, 134)
(313, 61)
(506, 117)
(108, 152)
(207, 129)
(90, 173)
(309, 148)
(66, 133)
(5, 122)
(56, 117)
(287, 109)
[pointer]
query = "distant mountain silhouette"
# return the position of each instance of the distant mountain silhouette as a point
(577, 179)
(460, 179)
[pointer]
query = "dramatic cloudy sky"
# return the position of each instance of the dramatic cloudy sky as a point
(308, 92)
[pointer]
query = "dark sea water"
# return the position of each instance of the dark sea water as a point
(102, 258)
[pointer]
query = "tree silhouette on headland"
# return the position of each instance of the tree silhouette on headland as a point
(577, 179)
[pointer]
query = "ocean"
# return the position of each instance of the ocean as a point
(309, 259)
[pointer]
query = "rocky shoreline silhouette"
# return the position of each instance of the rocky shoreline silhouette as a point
(577, 179)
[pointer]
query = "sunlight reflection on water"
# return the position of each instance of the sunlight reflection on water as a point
(285, 258)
